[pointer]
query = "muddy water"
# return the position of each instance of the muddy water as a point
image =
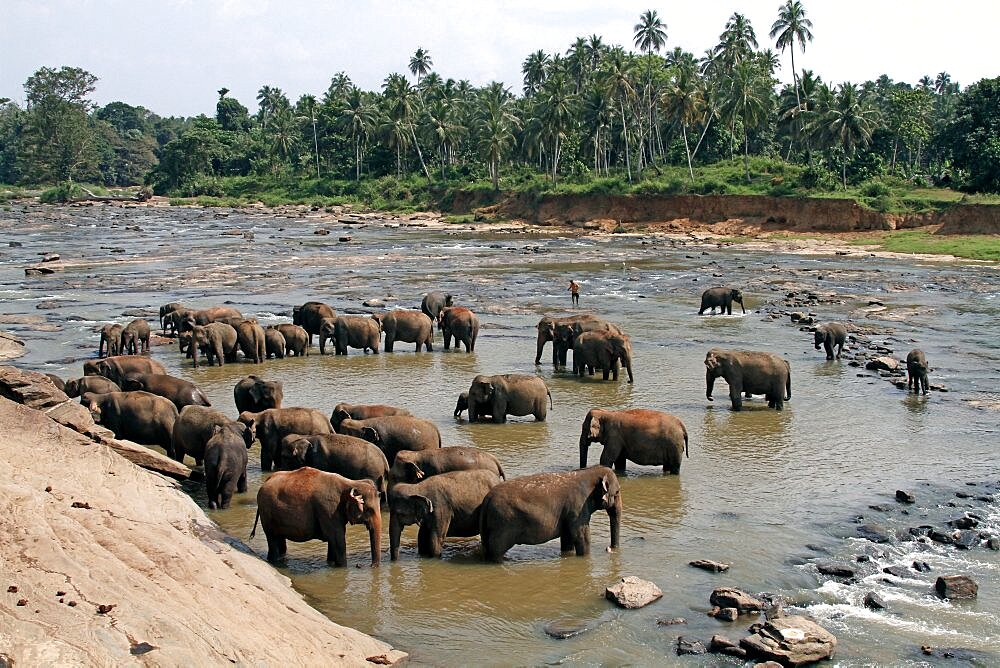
(768, 492)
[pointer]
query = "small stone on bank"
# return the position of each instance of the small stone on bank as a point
(707, 565)
(633, 592)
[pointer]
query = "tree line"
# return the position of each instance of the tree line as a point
(593, 111)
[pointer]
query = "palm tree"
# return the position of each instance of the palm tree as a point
(283, 133)
(617, 82)
(307, 103)
(685, 105)
(942, 82)
(598, 112)
(792, 26)
(402, 102)
(340, 86)
(556, 115)
(270, 100)
(849, 123)
(496, 135)
(738, 41)
(534, 70)
(421, 63)
(358, 117)
(595, 51)
(650, 35)
(749, 100)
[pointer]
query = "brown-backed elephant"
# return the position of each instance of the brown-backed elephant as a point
(255, 394)
(830, 335)
(297, 339)
(57, 381)
(721, 298)
(225, 464)
(310, 317)
(547, 332)
(309, 504)
(750, 372)
(135, 337)
(393, 433)
(206, 316)
(433, 302)
(537, 508)
(181, 392)
(165, 311)
(251, 339)
(137, 416)
(916, 371)
(349, 456)
(75, 387)
(566, 333)
(194, 426)
(177, 320)
(217, 340)
(508, 394)
(271, 425)
(409, 326)
(111, 340)
(412, 467)
(184, 344)
(352, 331)
(646, 437)
(116, 368)
(443, 505)
(344, 411)
(604, 351)
(461, 323)
(274, 343)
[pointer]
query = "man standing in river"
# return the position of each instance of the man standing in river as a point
(574, 289)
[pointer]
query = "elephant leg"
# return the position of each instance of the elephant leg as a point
(212, 488)
(701, 311)
(581, 540)
(425, 546)
(620, 463)
(429, 343)
(276, 548)
(241, 484)
(226, 495)
(829, 350)
(336, 547)
(606, 372)
(566, 542)
(446, 334)
(736, 396)
(389, 341)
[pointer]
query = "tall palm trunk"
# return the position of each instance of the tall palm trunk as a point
(420, 154)
(798, 100)
(746, 151)
(628, 160)
(687, 150)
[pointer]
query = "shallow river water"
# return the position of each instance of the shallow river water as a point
(768, 492)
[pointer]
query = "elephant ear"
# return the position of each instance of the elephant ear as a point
(255, 392)
(371, 435)
(414, 472)
(354, 505)
(595, 427)
(426, 505)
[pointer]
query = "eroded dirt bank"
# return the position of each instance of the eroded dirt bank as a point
(104, 563)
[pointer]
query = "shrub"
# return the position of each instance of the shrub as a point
(875, 189)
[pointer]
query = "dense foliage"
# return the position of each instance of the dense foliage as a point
(594, 114)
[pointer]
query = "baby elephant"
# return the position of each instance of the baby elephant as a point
(831, 335)
(443, 505)
(916, 371)
(462, 405)
(97, 384)
(412, 467)
(225, 464)
(643, 436)
(335, 453)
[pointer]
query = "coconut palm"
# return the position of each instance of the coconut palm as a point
(617, 83)
(495, 129)
(737, 41)
(340, 86)
(358, 118)
(685, 105)
(749, 100)
(421, 63)
(307, 106)
(402, 105)
(792, 26)
(597, 115)
(849, 123)
(270, 100)
(556, 115)
(650, 36)
(534, 69)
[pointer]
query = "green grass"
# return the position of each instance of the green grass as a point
(972, 246)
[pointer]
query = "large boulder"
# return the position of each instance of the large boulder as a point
(10, 346)
(33, 389)
(730, 597)
(791, 641)
(956, 586)
(883, 363)
(633, 592)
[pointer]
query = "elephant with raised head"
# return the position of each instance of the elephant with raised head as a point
(508, 394)
(409, 326)
(74, 387)
(344, 411)
(432, 304)
(57, 381)
(352, 331)
(604, 351)
(443, 505)
(916, 371)
(252, 341)
(412, 467)
(297, 339)
(192, 430)
(537, 508)
(349, 456)
(646, 437)
(310, 317)
(225, 464)
(547, 332)
(135, 337)
(181, 392)
(137, 416)
(271, 425)
(309, 504)
(255, 394)
(461, 323)
(217, 340)
(177, 320)
(830, 335)
(393, 433)
(274, 343)
(117, 368)
(111, 340)
(750, 372)
(721, 298)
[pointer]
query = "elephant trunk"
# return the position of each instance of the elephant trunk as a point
(615, 514)
(375, 537)
(584, 447)
(542, 338)
(395, 530)
(743, 307)
(709, 384)
(627, 363)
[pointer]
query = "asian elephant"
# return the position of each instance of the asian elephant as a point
(274, 343)
(412, 467)
(509, 394)
(646, 437)
(409, 326)
(271, 425)
(250, 337)
(537, 508)
(225, 464)
(255, 394)
(310, 316)
(177, 320)
(432, 304)
(353, 331)
(74, 387)
(192, 430)
(443, 505)
(217, 340)
(135, 337)
(916, 371)
(547, 332)
(111, 340)
(463, 405)
(604, 351)
(461, 323)
(184, 344)
(165, 311)
(137, 416)
(721, 298)
(831, 335)
(750, 372)
(344, 411)
(309, 504)
(179, 391)
(297, 339)
(566, 334)
(349, 456)
(393, 433)
(116, 368)
(212, 314)
(57, 381)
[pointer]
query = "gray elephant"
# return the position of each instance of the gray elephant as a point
(646, 437)
(750, 372)
(255, 394)
(251, 340)
(482, 412)
(192, 430)
(271, 425)
(443, 505)
(721, 298)
(461, 323)
(217, 340)
(297, 339)
(916, 371)
(135, 337)
(604, 351)
(547, 332)
(74, 387)
(433, 302)
(117, 368)
(349, 456)
(566, 333)
(393, 433)
(310, 317)
(508, 394)
(177, 321)
(412, 467)
(206, 316)
(165, 311)
(830, 335)
(111, 340)
(537, 508)
(344, 411)
(353, 331)
(181, 392)
(137, 416)
(274, 343)
(225, 465)
(309, 504)
(409, 326)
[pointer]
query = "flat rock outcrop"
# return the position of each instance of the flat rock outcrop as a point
(791, 641)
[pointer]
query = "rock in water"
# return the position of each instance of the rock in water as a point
(706, 565)
(837, 569)
(633, 592)
(371, 303)
(687, 646)
(905, 497)
(956, 586)
(729, 597)
(966, 540)
(874, 602)
(883, 363)
(791, 641)
(566, 628)
(876, 533)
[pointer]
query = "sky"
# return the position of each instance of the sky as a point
(171, 56)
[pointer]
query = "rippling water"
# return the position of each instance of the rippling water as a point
(765, 491)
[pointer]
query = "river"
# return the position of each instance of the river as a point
(768, 492)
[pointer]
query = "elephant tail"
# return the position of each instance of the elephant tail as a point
(788, 383)
(253, 532)
(686, 453)
(548, 392)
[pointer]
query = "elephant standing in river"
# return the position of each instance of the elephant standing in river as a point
(482, 412)
(117, 368)
(135, 337)
(432, 304)
(393, 433)
(916, 371)
(111, 340)
(206, 316)
(137, 416)
(646, 437)
(509, 394)
(461, 323)
(604, 351)
(344, 411)
(409, 326)
(179, 391)
(255, 394)
(271, 425)
(537, 508)
(750, 372)
(217, 340)
(547, 332)
(165, 311)
(349, 456)
(412, 467)
(225, 464)
(310, 317)
(721, 298)
(274, 343)
(830, 335)
(353, 331)
(297, 339)
(194, 426)
(252, 341)
(566, 334)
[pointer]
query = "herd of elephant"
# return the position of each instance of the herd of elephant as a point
(342, 469)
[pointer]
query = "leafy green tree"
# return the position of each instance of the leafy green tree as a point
(749, 100)
(421, 63)
(907, 117)
(200, 150)
(402, 109)
(974, 135)
(230, 114)
(12, 120)
(792, 26)
(849, 123)
(534, 70)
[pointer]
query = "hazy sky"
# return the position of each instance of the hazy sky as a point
(172, 55)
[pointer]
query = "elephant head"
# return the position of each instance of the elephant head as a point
(546, 333)
(592, 432)
(462, 404)
(819, 336)
(294, 451)
(297, 315)
(404, 469)
(621, 350)
(480, 397)
(717, 364)
(371, 435)
(360, 504)
(737, 297)
(339, 415)
(406, 510)
(249, 421)
(268, 393)
(607, 496)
